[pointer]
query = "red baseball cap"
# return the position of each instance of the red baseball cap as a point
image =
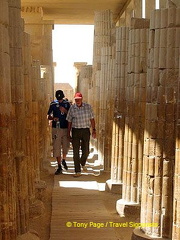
(78, 95)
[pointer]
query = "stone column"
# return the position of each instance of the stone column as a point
(8, 227)
(29, 143)
(149, 6)
(78, 66)
(176, 200)
(162, 3)
(17, 89)
(160, 126)
(102, 38)
(134, 115)
(137, 8)
(84, 84)
(106, 108)
(121, 61)
(40, 32)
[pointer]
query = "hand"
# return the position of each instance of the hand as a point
(94, 133)
(69, 137)
(55, 119)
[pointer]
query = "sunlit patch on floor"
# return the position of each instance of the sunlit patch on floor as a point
(90, 185)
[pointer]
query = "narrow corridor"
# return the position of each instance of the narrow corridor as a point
(82, 209)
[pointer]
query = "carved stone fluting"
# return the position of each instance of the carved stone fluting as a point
(135, 102)
(7, 139)
(4, 19)
(29, 143)
(37, 94)
(176, 201)
(110, 110)
(106, 103)
(84, 82)
(160, 125)
(103, 37)
(121, 60)
(44, 92)
(78, 66)
(35, 78)
(41, 50)
(16, 26)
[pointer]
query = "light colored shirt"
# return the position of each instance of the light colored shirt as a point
(80, 116)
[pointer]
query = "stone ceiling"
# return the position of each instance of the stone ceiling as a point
(75, 11)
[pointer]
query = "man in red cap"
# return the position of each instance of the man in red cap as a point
(80, 119)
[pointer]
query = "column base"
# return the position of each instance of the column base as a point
(139, 235)
(31, 235)
(36, 209)
(126, 208)
(113, 187)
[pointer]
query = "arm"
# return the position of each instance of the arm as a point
(50, 117)
(93, 128)
(69, 129)
(69, 119)
(50, 113)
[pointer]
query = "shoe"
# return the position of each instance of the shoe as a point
(64, 164)
(58, 171)
(84, 168)
(78, 174)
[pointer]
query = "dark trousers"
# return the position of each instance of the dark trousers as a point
(80, 138)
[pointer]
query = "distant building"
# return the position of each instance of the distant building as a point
(66, 88)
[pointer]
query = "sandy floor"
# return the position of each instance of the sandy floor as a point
(41, 223)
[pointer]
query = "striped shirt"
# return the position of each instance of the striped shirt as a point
(80, 116)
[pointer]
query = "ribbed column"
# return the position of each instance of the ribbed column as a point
(102, 38)
(78, 66)
(109, 103)
(29, 143)
(103, 24)
(17, 90)
(162, 3)
(121, 61)
(135, 97)
(84, 82)
(7, 139)
(35, 78)
(40, 32)
(176, 200)
(45, 96)
(106, 105)
(159, 137)
(149, 6)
